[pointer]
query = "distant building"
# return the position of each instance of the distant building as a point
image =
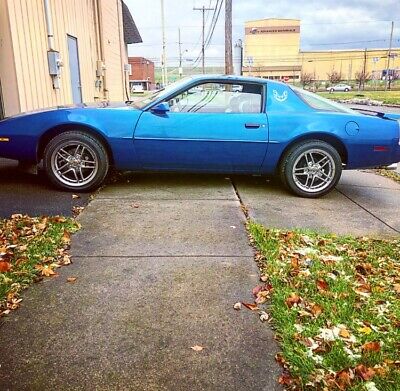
(59, 52)
(142, 77)
(272, 50)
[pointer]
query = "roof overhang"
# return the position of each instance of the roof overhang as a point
(131, 32)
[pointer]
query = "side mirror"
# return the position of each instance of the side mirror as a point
(160, 108)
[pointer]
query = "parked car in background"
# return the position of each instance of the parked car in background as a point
(208, 124)
(339, 87)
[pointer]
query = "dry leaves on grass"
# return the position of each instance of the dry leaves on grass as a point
(334, 306)
(30, 250)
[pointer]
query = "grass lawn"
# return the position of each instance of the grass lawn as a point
(335, 307)
(30, 249)
(388, 97)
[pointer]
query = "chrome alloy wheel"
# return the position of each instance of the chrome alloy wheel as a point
(74, 163)
(314, 170)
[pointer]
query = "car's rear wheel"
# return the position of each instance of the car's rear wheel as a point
(332, 90)
(346, 90)
(311, 169)
(76, 161)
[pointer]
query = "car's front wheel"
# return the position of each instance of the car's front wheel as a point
(76, 161)
(346, 90)
(332, 90)
(311, 169)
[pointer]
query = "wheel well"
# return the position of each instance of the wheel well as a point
(332, 140)
(55, 131)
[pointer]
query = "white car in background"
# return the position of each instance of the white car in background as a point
(339, 87)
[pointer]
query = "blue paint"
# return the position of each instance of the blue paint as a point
(142, 139)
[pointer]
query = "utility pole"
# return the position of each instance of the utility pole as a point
(387, 78)
(164, 69)
(203, 9)
(180, 53)
(364, 74)
(228, 38)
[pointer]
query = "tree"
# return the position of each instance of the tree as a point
(334, 77)
(362, 77)
(306, 78)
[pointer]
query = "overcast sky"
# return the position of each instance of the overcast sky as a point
(325, 24)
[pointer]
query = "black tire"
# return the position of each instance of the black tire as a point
(346, 90)
(325, 175)
(76, 161)
(331, 90)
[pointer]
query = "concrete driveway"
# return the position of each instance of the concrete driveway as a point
(363, 203)
(160, 261)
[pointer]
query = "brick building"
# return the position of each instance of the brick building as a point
(142, 76)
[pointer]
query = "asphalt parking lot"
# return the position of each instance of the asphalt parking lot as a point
(32, 194)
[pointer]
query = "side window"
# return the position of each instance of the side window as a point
(219, 98)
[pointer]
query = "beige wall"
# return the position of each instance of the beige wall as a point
(8, 77)
(27, 36)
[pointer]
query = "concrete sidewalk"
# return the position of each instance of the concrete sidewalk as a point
(160, 263)
(363, 203)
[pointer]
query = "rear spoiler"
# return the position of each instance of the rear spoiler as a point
(380, 114)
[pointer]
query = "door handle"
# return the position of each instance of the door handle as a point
(252, 126)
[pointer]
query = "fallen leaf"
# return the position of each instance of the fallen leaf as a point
(292, 300)
(197, 348)
(71, 279)
(370, 386)
(371, 347)
(251, 306)
(365, 330)
(66, 238)
(343, 379)
(322, 285)
(264, 278)
(237, 306)
(285, 379)
(344, 333)
(75, 196)
(135, 206)
(5, 267)
(316, 310)
(46, 270)
(280, 359)
(264, 316)
(396, 288)
(364, 372)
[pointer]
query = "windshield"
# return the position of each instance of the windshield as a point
(152, 97)
(319, 103)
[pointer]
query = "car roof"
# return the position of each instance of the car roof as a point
(235, 78)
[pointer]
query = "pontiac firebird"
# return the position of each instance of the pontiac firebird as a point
(215, 124)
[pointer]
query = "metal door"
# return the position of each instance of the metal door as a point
(75, 73)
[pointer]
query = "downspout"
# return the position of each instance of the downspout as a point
(99, 24)
(53, 56)
(49, 25)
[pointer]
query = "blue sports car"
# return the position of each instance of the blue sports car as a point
(224, 124)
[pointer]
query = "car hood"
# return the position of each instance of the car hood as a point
(100, 105)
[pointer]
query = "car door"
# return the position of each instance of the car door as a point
(209, 127)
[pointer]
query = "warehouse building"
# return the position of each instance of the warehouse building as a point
(60, 52)
(272, 50)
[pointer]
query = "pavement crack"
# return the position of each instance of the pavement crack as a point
(366, 210)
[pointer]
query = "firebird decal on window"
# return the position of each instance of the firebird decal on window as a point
(280, 98)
